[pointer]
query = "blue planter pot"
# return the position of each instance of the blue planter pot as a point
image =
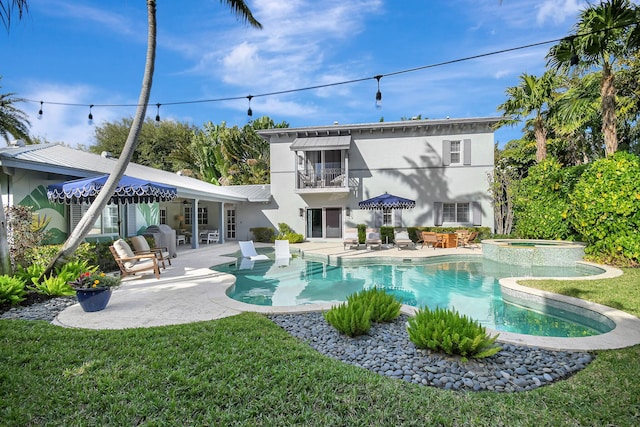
(93, 299)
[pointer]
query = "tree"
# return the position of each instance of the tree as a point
(157, 143)
(13, 121)
(7, 9)
(532, 97)
(84, 225)
(604, 34)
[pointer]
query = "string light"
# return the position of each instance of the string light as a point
(574, 61)
(90, 117)
(157, 123)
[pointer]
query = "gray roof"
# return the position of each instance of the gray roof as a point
(483, 124)
(59, 159)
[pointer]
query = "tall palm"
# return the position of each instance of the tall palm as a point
(531, 98)
(7, 8)
(13, 121)
(604, 35)
(84, 225)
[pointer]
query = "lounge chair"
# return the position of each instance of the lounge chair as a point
(282, 250)
(469, 239)
(129, 263)
(141, 246)
(432, 239)
(249, 251)
(351, 239)
(419, 236)
(401, 238)
(373, 239)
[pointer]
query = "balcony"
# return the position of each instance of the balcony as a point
(325, 180)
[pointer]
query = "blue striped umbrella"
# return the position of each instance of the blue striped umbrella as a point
(129, 190)
(387, 200)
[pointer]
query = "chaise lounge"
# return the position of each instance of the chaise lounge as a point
(130, 263)
(402, 240)
(351, 239)
(373, 239)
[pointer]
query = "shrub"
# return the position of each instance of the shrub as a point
(263, 234)
(12, 289)
(446, 330)
(387, 234)
(541, 201)
(53, 286)
(605, 209)
(384, 307)
(362, 233)
(287, 233)
(351, 319)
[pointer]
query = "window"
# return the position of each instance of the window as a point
(456, 152)
(107, 223)
(203, 216)
(163, 216)
(455, 212)
(387, 217)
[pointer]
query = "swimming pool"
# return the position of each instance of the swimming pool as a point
(467, 284)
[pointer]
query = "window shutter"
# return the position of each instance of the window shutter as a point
(467, 152)
(397, 217)
(476, 213)
(437, 214)
(132, 225)
(446, 152)
(75, 213)
(377, 218)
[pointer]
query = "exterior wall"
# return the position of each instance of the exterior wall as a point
(405, 163)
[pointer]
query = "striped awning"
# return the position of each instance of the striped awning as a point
(342, 142)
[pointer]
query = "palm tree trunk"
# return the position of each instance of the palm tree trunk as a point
(541, 139)
(86, 222)
(608, 94)
(5, 257)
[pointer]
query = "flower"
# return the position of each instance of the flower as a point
(91, 280)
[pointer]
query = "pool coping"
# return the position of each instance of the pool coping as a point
(626, 332)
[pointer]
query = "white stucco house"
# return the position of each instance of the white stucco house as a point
(318, 177)
(320, 174)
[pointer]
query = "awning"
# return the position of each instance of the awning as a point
(342, 142)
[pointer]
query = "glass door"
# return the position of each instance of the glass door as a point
(230, 224)
(333, 223)
(314, 222)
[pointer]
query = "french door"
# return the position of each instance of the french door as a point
(324, 222)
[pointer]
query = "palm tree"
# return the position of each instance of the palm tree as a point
(81, 230)
(7, 8)
(604, 35)
(532, 97)
(13, 121)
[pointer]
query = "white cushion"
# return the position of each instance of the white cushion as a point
(124, 251)
(402, 235)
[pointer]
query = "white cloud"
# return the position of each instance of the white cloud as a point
(558, 11)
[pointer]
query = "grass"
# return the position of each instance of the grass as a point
(244, 370)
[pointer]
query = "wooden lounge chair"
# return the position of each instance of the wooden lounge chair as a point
(141, 246)
(373, 239)
(402, 240)
(470, 239)
(129, 263)
(351, 239)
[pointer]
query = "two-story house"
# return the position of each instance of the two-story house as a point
(320, 174)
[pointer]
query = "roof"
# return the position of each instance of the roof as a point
(481, 124)
(62, 160)
(326, 142)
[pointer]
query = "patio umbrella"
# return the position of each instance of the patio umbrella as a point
(129, 190)
(387, 200)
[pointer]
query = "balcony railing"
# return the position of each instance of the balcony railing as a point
(325, 178)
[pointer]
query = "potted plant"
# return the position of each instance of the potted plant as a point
(93, 289)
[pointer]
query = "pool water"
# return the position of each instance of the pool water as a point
(469, 286)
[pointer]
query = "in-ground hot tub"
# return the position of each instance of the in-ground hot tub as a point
(561, 253)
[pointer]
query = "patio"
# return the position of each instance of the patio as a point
(189, 291)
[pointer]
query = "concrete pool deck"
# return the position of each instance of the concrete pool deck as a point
(189, 291)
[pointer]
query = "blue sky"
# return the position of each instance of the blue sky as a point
(88, 52)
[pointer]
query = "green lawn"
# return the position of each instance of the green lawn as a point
(245, 370)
